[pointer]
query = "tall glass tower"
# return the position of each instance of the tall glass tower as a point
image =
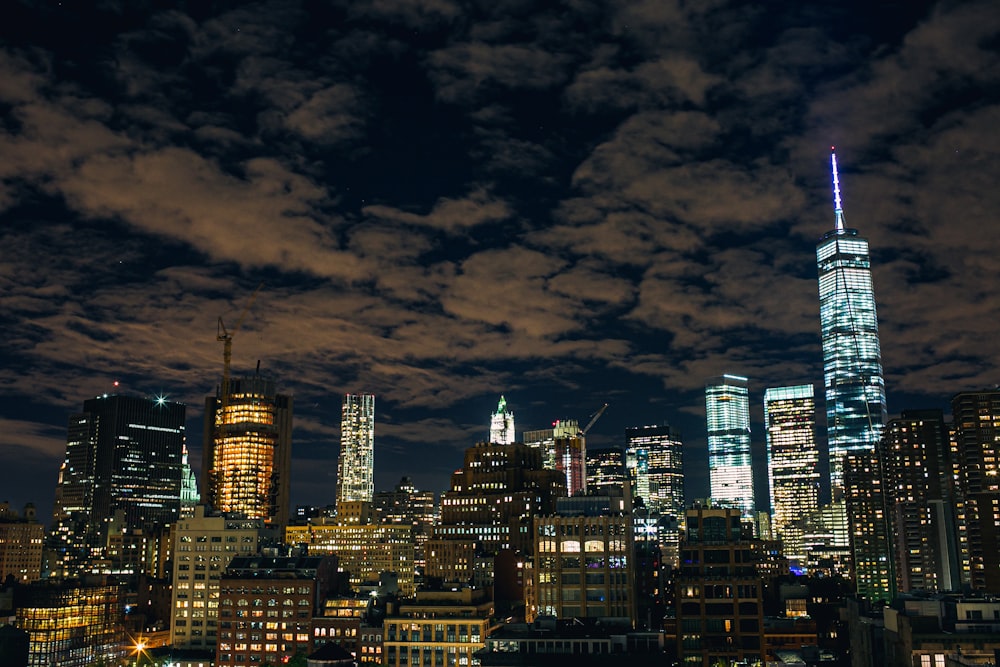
(356, 464)
(852, 359)
(792, 455)
(727, 409)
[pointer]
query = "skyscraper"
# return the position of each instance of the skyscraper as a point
(356, 463)
(563, 448)
(654, 453)
(792, 455)
(247, 452)
(870, 532)
(502, 424)
(727, 410)
(123, 454)
(852, 358)
(976, 420)
(920, 489)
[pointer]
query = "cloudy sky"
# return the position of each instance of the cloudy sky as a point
(569, 203)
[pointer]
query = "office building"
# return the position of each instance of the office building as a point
(72, 622)
(852, 358)
(584, 560)
(247, 451)
(976, 422)
(356, 463)
(21, 541)
(365, 551)
(490, 506)
(606, 470)
(502, 424)
(719, 591)
(563, 448)
(656, 463)
(408, 506)
(920, 488)
(869, 525)
(203, 547)
(727, 410)
(792, 461)
(123, 454)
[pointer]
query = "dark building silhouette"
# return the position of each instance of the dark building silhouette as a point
(123, 458)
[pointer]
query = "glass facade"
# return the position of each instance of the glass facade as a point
(250, 445)
(656, 464)
(792, 458)
(852, 358)
(356, 463)
(727, 410)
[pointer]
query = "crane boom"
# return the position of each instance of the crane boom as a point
(225, 337)
(593, 419)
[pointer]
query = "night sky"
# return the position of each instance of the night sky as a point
(567, 203)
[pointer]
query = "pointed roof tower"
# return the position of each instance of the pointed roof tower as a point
(838, 208)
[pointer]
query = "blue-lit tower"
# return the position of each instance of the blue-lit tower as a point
(727, 412)
(852, 359)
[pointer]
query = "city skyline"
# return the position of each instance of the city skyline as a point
(447, 203)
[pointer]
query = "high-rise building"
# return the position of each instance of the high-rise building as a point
(727, 410)
(502, 424)
(719, 591)
(247, 451)
(409, 507)
(869, 525)
(123, 453)
(584, 560)
(72, 622)
(976, 422)
(356, 463)
(792, 460)
(490, 506)
(920, 488)
(563, 448)
(606, 469)
(655, 459)
(189, 487)
(852, 358)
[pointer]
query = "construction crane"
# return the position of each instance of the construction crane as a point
(593, 418)
(225, 337)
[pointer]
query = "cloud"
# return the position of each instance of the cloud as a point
(448, 214)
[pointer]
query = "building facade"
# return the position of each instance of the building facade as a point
(920, 489)
(123, 454)
(852, 357)
(408, 506)
(584, 560)
(719, 591)
(363, 550)
(870, 527)
(247, 451)
(21, 543)
(976, 423)
(502, 424)
(71, 622)
(656, 463)
(266, 607)
(792, 461)
(438, 628)
(203, 547)
(356, 462)
(727, 411)
(606, 469)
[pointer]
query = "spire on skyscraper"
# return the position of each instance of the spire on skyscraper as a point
(502, 424)
(838, 207)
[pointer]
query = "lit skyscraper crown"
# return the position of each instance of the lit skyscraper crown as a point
(838, 207)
